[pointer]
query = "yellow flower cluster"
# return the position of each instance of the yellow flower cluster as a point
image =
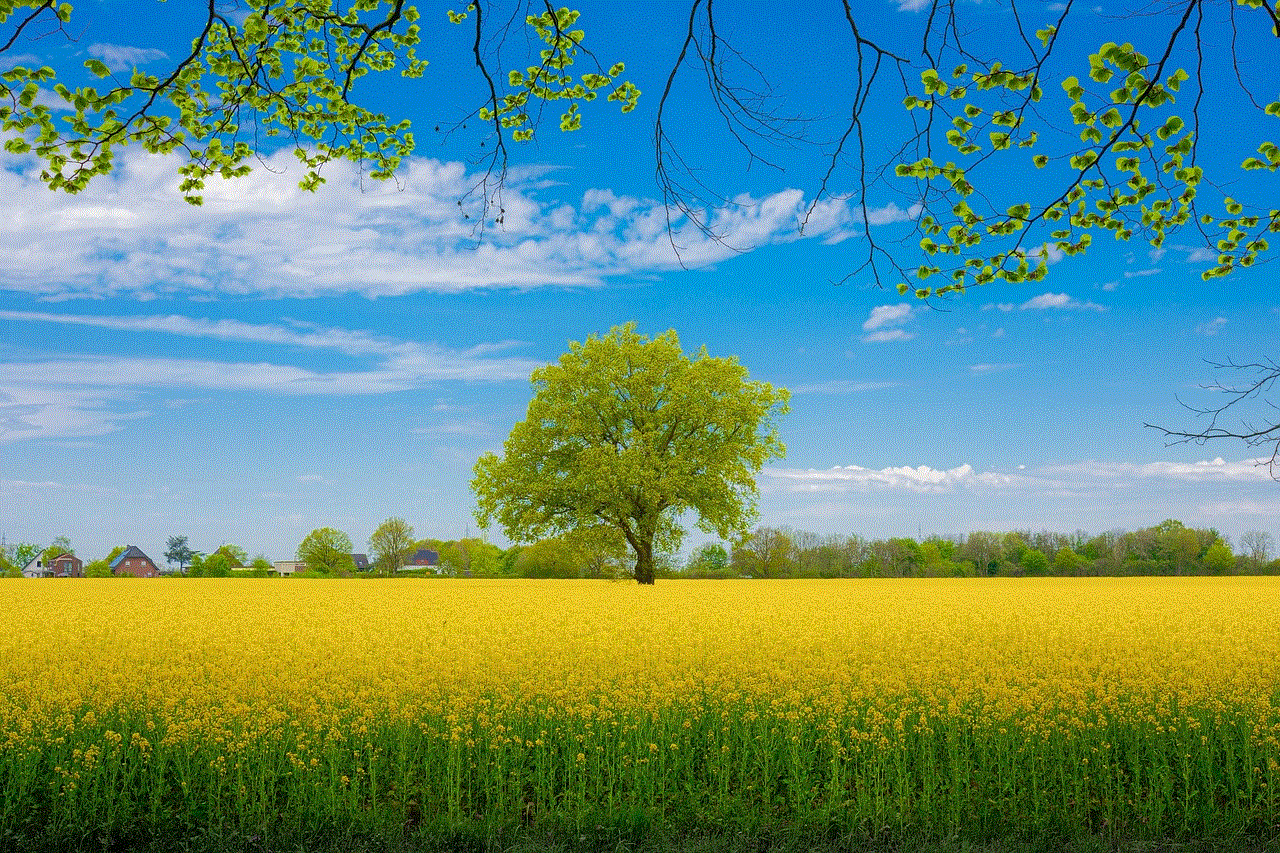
(935, 703)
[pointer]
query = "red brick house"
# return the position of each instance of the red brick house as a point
(133, 562)
(65, 565)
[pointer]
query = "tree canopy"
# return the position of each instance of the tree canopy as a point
(630, 433)
(282, 72)
(327, 551)
(392, 544)
(178, 551)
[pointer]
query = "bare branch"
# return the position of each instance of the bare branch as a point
(1257, 380)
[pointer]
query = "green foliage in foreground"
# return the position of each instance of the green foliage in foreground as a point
(731, 772)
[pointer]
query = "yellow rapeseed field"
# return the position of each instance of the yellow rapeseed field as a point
(1149, 706)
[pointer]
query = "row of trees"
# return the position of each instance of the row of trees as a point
(328, 552)
(219, 564)
(1168, 548)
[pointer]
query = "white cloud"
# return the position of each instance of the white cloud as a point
(130, 233)
(120, 57)
(1142, 273)
(983, 369)
(1046, 301)
(90, 396)
(1266, 508)
(884, 315)
(891, 213)
(1214, 470)
(889, 335)
(839, 386)
(1066, 479)
(1057, 300)
(30, 411)
(1212, 327)
(921, 478)
(887, 315)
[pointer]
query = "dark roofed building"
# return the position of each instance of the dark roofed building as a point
(361, 561)
(133, 562)
(425, 557)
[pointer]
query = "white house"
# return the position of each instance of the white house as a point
(36, 568)
(285, 568)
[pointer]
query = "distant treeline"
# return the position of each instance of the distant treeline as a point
(1168, 548)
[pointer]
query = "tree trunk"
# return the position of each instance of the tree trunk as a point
(644, 559)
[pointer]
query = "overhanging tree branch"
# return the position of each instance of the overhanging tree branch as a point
(1255, 382)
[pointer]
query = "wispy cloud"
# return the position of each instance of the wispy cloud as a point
(839, 386)
(1046, 301)
(93, 395)
(120, 57)
(885, 335)
(1212, 327)
(986, 367)
(1059, 300)
(1070, 478)
(920, 478)
(349, 342)
(1213, 470)
(1198, 254)
(891, 213)
(130, 233)
(883, 316)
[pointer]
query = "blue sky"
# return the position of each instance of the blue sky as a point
(276, 361)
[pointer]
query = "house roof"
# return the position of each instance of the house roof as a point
(361, 560)
(427, 554)
(133, 552)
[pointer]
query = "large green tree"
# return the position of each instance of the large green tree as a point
(327, 551)
(391, 545)
(631, 433)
